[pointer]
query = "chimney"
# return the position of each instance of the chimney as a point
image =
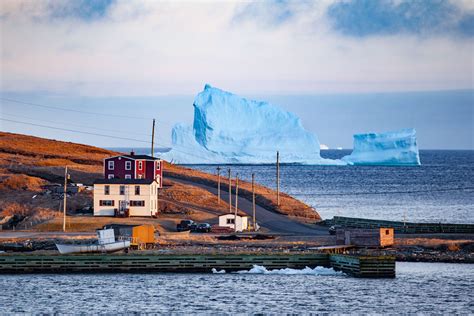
(132, 153)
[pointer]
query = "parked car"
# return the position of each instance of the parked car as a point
(185, 225)
(332, 229)
(203, 228)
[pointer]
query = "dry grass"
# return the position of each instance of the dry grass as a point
(27, 163)
(22, 182)
(264, 196)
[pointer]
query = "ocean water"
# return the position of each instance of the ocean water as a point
(440, 190)
(419, 288)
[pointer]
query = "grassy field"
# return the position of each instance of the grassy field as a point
(28, 163)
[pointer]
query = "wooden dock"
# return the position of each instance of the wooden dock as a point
(378, 267)
(364, 266)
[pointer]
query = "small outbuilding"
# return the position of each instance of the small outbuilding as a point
(238, 223)
(371, 237)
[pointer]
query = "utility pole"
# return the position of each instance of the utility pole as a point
(253, 202)
(218, 185)
(153, 139)
(64, 198)
(278, 178)
(236, 200)
(230, 193)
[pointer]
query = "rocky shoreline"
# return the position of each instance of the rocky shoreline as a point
(463, 254)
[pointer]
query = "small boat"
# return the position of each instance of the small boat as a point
(106, 243)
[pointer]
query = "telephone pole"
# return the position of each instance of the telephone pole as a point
(218, 185)
(64, 199)
(236, 200)
(153, 139)
(253, 202)
(230, 193)
(278, 178)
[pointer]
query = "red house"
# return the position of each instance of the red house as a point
(134, 167)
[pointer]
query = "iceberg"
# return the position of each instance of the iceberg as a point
(397, 148)
(229, 129)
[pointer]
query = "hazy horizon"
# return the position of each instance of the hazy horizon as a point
(343, 67)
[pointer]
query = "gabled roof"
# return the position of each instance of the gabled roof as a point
(124, 181)
(136, 157)
(146, 157)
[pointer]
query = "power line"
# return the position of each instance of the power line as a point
(73, 110)
(75, 131)
(102, 135)
(78, 125)
(83, 112)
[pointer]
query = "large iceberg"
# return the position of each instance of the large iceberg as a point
(391, 148)
(229, 129)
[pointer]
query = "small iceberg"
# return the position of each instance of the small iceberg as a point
(397, 148)
(288, 271)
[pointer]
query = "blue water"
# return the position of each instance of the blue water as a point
(440, 190)
(419, 288)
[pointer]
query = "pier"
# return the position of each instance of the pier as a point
(374, 267)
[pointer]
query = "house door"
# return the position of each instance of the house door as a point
(122, 206)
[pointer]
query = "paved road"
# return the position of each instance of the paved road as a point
(274, 222)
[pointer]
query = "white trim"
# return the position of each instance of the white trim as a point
(128, 176)
(140, 164)
(111, 166)
(129, 164)
(111, 176)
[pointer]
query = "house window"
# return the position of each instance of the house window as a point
(107, 189)
(111, 165)
(137, 203)
(111, 176)
(106, 202)
(230, 221)
(137, 190)
(122, 190)
(387, 232)
(140, 165)
(140, 176)
(128, 165)
(127, 176)
(157, 165)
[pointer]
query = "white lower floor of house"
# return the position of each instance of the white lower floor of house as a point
(125, 208)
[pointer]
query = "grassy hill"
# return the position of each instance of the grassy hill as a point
(28, 163)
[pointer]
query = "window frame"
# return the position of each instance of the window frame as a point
(128, 176)
(111, 176)
(111, 165)
(122, 190)
(106, 203)
(137, 190)
(106, 189)
(140, 165)
(137, 203)
(128, 165)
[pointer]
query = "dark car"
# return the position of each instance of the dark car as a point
(185, 225)
(203, 228)
(332, 229)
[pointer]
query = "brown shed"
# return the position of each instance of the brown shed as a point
(372, 237)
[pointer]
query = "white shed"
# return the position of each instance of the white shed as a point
(227, 220)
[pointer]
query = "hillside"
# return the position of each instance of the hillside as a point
(29, 163)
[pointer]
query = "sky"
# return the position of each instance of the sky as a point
(344, 67)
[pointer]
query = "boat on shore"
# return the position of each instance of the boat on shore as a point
(106, 243)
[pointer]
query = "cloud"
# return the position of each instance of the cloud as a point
(115, 48)
(41, 11)
(361, 18)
